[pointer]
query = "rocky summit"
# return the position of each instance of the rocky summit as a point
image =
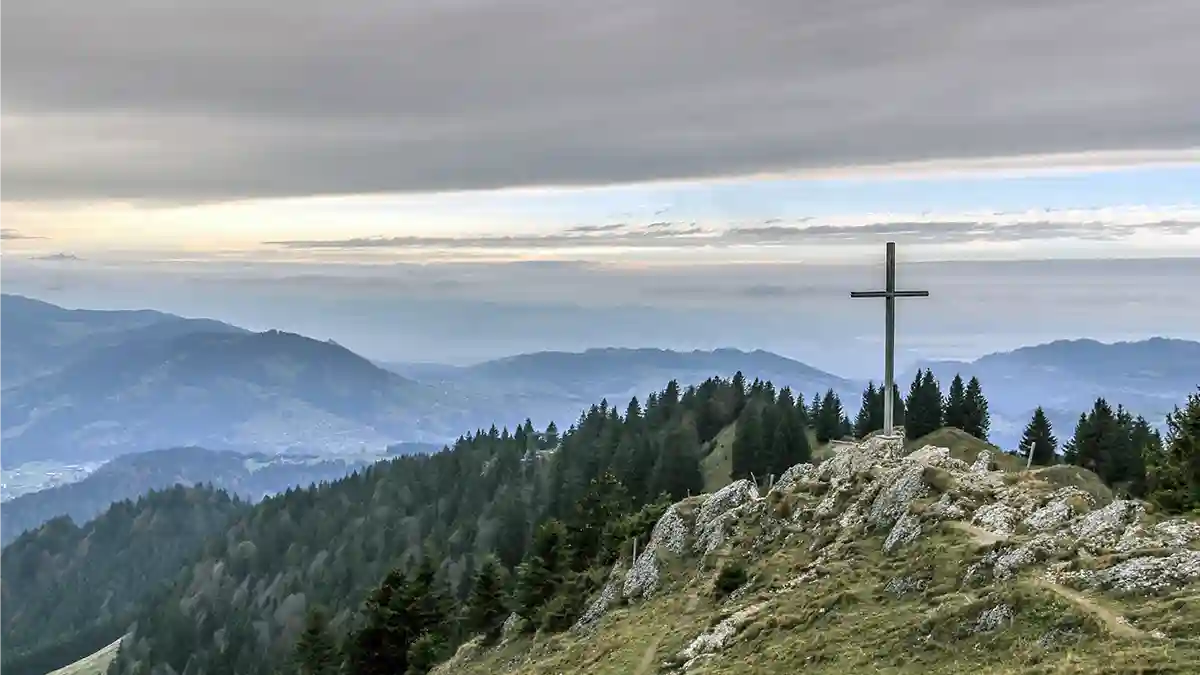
(882, 560)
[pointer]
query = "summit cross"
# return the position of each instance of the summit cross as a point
(889, 295)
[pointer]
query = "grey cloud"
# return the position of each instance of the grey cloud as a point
(676, 235)
(199, 100)
(656, 234)
(58, 257)
(9, 233)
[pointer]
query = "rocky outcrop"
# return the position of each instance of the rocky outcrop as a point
(1021, 524)
(669, 535)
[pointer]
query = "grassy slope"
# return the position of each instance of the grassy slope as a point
(718, 457)
(846, 621)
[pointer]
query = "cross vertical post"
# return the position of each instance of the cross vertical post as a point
(889, 295)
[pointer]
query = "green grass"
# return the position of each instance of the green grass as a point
(717, 465)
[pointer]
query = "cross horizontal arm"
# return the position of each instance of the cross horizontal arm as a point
(889, 294)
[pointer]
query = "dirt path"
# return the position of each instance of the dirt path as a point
(980, 535)
(647, 664)
(1115, 623)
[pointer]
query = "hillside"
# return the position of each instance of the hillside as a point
(882, 561)
(547, 386)
(41, 338)
(1149, 377)
(268, 392)
(250, 477)
(69, 589)
(331, 545)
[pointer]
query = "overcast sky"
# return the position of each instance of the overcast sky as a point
(386, 173)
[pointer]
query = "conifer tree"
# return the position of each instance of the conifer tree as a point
(380, 646)
(426, 652)
(678, 472)
(978, 420)
(544, 570)
(316, 651)
(747, 443)
(1173, 465)
(954, 411)
(829, 422)
(1102, 444)
(923, 413)
(486, 607)
(866, 421)
(1039, 435)
(814, 410)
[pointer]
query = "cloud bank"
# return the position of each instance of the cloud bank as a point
(218, 100)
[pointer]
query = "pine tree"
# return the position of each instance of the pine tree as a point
(747, 443)
(978, 420)
(1173, 467)
(814, 410)
(1039, 435)
(426, 652)
(954, 412)
(380, 646)
(924, 406)
(486, 609)
(544, 570)
(829, 422)
(316, 652)
(866, 421)
(678, 472)
(1100, 442)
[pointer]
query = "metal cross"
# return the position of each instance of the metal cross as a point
(889, 294)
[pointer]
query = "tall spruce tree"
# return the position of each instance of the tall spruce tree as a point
(380, 646)
(1039, 435)
(316, 651)
(923, 413)
(1102, 444)
(544, 570)
(747, 443)
(954, 411)
(678, 472)
(867, 420)
(978, 420)
(1173, 465)
(486, 606)
(829, 421)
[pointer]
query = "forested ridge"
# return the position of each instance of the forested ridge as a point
(548, 511)
(68, 590)
(390, 568)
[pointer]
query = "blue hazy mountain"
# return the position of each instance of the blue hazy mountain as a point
(266, 392)
(551, 385)
(1149, 377)
(40, 338)
(250, 476)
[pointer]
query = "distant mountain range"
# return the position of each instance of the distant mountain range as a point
(547, 386)
(1149, 377)
(250, 476)
(88, 385)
